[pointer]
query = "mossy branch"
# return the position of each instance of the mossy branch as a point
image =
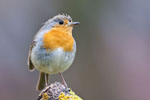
(57, 91)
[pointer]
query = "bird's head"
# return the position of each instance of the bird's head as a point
(61, 22)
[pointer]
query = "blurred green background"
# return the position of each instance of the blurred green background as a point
(112, 60)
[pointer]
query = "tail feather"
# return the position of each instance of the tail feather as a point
(41, 82)
(46, 78)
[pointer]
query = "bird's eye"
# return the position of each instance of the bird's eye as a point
(69, 20)
(61, 22)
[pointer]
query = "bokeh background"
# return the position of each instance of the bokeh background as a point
(112, 60)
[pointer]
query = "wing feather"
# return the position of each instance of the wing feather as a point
(30, 64)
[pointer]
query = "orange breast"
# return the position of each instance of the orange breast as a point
(56, 38)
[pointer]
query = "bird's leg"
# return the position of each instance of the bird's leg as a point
(46, 79)
(64, 82)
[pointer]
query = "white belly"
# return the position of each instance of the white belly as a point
(53, 62)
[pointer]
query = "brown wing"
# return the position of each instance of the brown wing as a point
(30, 64)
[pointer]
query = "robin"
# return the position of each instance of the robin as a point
(53, 49)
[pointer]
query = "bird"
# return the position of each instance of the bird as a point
(53, 49)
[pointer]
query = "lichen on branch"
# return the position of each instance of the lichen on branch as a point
(57, 91)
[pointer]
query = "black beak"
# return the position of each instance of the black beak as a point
(75, 23)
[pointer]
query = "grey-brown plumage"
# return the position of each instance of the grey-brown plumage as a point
(30, 64)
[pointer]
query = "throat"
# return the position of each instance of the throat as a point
(56, 38)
